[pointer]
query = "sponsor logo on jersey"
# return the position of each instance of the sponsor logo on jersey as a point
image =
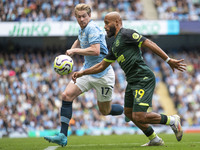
(117, 43)
(92, 35)
(121, 59)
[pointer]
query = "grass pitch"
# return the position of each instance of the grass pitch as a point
(112, 142)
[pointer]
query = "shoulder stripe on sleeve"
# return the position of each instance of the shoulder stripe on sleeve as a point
(143, 104)
(107, 60)
(140, 44)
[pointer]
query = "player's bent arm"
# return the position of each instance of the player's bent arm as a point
(155, 48)
(93, 50)
(93, 70)
(97, 68)
(76, 44)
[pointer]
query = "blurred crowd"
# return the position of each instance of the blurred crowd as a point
(62, 10)
(184, 88)
(30, 92)
(178, 9)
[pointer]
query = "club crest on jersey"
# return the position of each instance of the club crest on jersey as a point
(117, 43)
(83, 34)
(135, 36)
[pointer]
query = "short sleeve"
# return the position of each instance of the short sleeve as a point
(110, 57)
(93, 35)
(131, 36)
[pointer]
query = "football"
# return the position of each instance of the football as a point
(63, 64)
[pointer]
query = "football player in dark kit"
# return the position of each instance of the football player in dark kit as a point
(141, 80)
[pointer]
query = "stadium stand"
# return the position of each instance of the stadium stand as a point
(184, 88)
(30, 90)
(178, 9)
(60, 10)
(150, 11)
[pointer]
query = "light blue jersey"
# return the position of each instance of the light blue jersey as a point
(90, 35)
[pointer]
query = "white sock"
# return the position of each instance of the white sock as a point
(172, 120)
(156, 139)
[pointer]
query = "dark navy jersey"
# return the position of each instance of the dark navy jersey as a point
(126, 50)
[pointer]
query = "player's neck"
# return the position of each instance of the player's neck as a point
(117, 31)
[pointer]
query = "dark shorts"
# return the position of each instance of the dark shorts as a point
(139, 96)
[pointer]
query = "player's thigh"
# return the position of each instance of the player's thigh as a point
(143, 93)
(139, 97)
(74, 90)
(71, 92)
(104, 86)
(128, 102)
(84, 83)
(128, 97)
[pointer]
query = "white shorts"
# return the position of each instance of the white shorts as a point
(103, 86)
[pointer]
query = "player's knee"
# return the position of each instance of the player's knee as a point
(127, 113)
(139, 118)
(65, 96)
(104, 111)
(104, 107)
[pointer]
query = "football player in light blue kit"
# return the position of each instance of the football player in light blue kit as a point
(92, 44)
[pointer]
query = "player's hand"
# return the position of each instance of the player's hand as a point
(177, 64)
(76, 75)
(70, 52)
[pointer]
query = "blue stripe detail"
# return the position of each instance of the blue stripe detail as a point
(64, 119)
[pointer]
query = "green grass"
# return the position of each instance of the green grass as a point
(112, 142)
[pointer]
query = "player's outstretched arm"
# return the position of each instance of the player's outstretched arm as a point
(93, 70)
(174, 64)
(177, 64)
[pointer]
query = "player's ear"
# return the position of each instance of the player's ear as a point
(117, 22)
(89, 14)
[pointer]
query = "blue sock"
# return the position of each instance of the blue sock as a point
(116, 109)
(66, 115)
